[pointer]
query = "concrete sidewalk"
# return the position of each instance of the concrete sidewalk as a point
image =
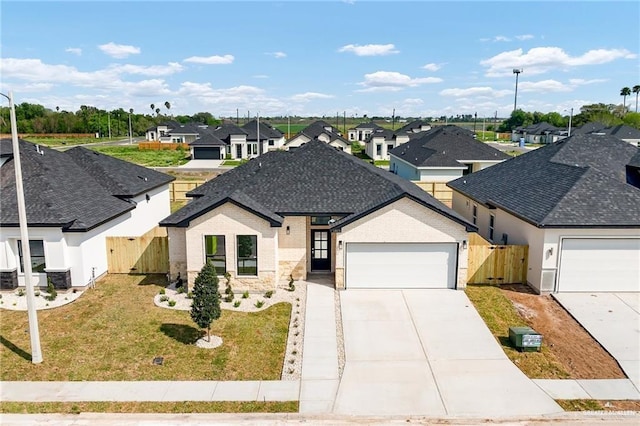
(601, 389)
(320, 377)
(150, 391)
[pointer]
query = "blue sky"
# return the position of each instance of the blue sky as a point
(423, 58)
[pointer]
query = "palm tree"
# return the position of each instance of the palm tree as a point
(167, 105)
(636, 90)
(624, 93)
(157, 111)
(153, 107)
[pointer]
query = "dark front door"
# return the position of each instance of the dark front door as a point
(320, 251)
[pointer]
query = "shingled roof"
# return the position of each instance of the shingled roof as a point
(266, 131)
(578, 182)
(315, 179)
(76, 190)
(446, 146)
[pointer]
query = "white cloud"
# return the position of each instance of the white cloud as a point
(260, 76)
(542, 59)
(277, 55)
(501, 38)
(118, 51)
(370, 49)
(544, 86)
(432, 67)
(151, 70)
(309, 96)
(211, 60)
(227, 101)
(523, 37)
(74, 50)
(583, 82)
(392, 81)
(475, 91)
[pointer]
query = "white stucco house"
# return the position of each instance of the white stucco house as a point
(575, 203)
(379, 144)
(539, 133)
(322, 131)
(313, 210)
(362, 131)
(74, 200)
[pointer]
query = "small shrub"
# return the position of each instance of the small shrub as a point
(74, 291)
(294, 352)
(181, 290)
(268, 294)
(236, 303)
(245, 295)
(172, 303)
(259, 304)
(162, 291)
(291, 361)
(51, 290)
(190, 295)
(228, 299)
(164, 298)
(292, 286)
(20, 292)
(0, 296)
(291, 370)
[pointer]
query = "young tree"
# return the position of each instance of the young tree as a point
(636, 90)
(624, 92)
(206, 299)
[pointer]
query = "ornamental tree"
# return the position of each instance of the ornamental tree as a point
(206, 299)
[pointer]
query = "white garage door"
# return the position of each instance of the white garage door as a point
(595, 264)
(401, 265)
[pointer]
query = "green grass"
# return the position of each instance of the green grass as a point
(148, 158)
(382, 162)
(295, 128)
(52, 142)
(514, 153)
(499, 314)
(177, 205)
(114, 331)
(148, 407)
(234, 163)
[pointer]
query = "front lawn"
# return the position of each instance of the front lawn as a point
(114, 331)
(499, 314)
(148, 158)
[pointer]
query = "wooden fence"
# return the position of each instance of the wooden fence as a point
(179, 188)
(158, 146)
(439, 190)
(496, 264)
(147, 254)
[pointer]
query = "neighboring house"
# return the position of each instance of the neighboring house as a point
(316, 209)
(235, 139)
(575, 203)
(442, 154)
(208, 147)
(539, 133)
(74, 200)
(174, 132)
(362, 131)
(382, 141)
(624, 132)
(271, 138)
(322, 131)
(592, 127)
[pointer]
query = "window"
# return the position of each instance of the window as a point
(468, 169)
(389, 148)
(492, 222)
(161, 133)
(247, 255)
(378, 149)
(272, 142)
(474, 214)
(238, 151)
(320, 220)
(214, 252)
(252, 148)
(36, 249)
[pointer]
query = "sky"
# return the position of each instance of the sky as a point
(320, 58)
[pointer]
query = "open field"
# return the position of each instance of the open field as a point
(64, 141)
(146, 158)
(113, 332)
(577, 357)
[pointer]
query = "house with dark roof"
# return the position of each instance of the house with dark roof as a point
(442, 154)
(623, 132)
(380, 143)
(271, 138)
(74, 199)
(322, 131)
(362, 131)
(290, 213)
(415, 126)
(539, 133)
(575, 203)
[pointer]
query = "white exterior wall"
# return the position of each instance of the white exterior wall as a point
(145, 216)
(292, 247)
(544, 244)
(404, 221)
(297, 142)
(230, 220)
(481, 165)
(439, 175)
(341, 145)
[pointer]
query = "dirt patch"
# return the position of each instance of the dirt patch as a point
(597, 405)
(579, 353)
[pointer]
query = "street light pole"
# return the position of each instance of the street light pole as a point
(517, 72)
(570, 117)
(130, 134)
(34, 332)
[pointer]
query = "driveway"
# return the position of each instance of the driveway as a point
(427, 352)
(613, 319)
(202, 164)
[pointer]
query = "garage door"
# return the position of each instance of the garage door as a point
(594, 264)
(400, 265)
(206, 153)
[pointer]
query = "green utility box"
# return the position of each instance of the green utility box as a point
(525, 339)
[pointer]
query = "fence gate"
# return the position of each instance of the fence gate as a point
(147, 254)
(497, 264)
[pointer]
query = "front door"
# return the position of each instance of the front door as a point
(320, 251)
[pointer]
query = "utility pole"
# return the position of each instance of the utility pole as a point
(258, 133)
(130, 134)
(393, 120)
(475, 118)
(109, 123)
(237, 116)
(517, 72)
(495, 126)
(344, 122)
(34, 332)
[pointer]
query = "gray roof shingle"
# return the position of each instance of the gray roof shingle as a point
(266, 131)
(76, 189)
(446, 146)
(315, 179)
(576, 182)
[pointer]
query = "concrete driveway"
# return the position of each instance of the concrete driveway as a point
(427, 352)
(202, 164)
(613, 319)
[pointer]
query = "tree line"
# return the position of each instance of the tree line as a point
(34, 118)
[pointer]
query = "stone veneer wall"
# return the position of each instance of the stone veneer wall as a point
(9, 280)
(61, 279)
